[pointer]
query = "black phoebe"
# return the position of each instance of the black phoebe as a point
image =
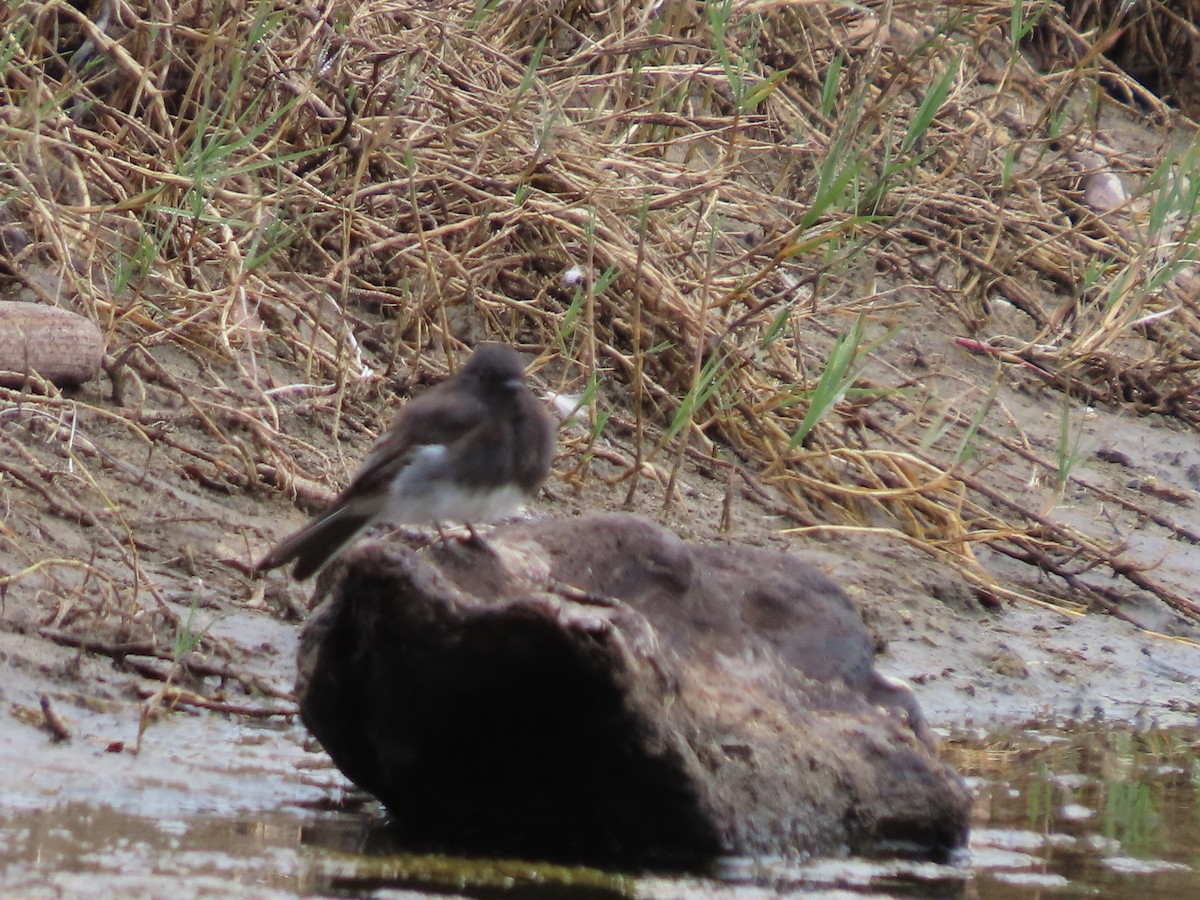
(471, 449)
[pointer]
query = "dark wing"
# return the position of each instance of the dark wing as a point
(441, 415)
(317, 542)
(537, 433)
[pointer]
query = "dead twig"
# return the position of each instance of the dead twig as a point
(59, 732)
(174, 696)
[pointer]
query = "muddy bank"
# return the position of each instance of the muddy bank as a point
(968, 665)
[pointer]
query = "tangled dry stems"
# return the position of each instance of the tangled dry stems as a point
(277, 211)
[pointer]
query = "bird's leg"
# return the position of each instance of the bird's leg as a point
(442, 534)
(474, 541)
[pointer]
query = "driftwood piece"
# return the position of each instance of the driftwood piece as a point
(596, 688)
(61, 346)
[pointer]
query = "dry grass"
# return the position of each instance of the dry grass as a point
(275, 212)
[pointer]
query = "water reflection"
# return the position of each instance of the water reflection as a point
(1092, 811)
(1105, 811)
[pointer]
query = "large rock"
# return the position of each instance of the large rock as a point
(596, 688)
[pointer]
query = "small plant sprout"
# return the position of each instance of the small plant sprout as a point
(839, 374)
(1174, 188)
(939, 426)
(1020, 23)
(841, 165)
(747, 93)
(187, 638)
(483, 8)
(276, 234)
(584, 292)
(775, 329)
(1006, 171)
(535, 59)
(969, 444)
(1068, 445)
(586, 414)
(712, 375)
(931, 104)
(829, 88)
(599, 417)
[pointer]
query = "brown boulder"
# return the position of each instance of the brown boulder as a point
(595, 688)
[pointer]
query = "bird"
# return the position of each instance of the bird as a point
(471, 449)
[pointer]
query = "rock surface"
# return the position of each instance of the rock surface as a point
(596, 688)
(63, 347)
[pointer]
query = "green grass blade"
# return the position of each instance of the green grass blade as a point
(835, 380)
(930, 105)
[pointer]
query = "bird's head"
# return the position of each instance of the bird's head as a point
(496, 368)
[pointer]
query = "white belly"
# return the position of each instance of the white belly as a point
(423, 495)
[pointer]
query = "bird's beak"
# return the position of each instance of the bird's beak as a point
(514, 384)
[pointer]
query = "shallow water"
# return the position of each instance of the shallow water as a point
(1093, 811)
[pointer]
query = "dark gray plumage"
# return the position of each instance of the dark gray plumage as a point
(472, 449)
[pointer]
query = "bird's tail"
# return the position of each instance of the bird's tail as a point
(317, 542)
